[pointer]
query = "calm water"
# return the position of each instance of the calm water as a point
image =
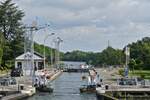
(66, 87)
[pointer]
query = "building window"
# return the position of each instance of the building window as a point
(40, 65)
(35, 66)
(19, 65)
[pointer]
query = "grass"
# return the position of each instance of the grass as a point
(140, 73)
(4, 72)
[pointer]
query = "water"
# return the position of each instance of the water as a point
(66, 87)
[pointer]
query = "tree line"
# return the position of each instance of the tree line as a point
(108, 56)
(139, 56)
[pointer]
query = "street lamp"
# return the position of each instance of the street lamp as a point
(57, 43)
(52, 53)
(44, 45)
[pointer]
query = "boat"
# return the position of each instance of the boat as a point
(44, 88)
(41, 84)
(88, 89)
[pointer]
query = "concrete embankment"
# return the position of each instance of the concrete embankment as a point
(54, 76)
(23, 93)
(124, 92)
(110, 90)
(18, 96)
(28, 90)
(105, 97)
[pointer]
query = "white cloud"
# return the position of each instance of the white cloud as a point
(89, 24)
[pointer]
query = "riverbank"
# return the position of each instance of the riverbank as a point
(140, 73)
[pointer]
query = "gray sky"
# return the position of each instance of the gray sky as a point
(88, 24)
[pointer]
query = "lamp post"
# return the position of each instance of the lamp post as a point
(52, 53)
(57, 55)
(44, 45)
(127, 53)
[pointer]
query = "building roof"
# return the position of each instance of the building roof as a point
(28, 55)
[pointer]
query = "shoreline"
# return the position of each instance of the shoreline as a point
(57, 74)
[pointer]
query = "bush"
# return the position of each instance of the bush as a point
(142, 76)
(121, 72)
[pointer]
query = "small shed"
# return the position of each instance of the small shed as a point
(24, 61)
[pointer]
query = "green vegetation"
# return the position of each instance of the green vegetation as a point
(109, 56)
(11, 32)
(1, 45)
(121, 72)
(140, 54)
(140, 73)
(40, 49)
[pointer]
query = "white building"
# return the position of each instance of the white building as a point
(24, 61)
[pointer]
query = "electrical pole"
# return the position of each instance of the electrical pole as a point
(52, 53)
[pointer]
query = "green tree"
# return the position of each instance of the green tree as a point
(10, 19)
(111, 56)
(140, 51)
(12, 29)
(1, 47)
(132, 64)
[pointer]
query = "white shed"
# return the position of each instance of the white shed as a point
(24, 61)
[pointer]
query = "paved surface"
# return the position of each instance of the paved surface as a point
(109, 75)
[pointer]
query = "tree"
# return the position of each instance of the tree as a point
(111, 56)
(140, 51)
(132, 64)
(1, 47)
(11, 28)
(10, 20)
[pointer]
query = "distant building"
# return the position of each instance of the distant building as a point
(24, 61)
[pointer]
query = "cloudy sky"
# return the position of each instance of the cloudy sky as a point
(88, 24)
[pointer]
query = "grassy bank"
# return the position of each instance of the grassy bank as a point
(140, 73)
(4, 72)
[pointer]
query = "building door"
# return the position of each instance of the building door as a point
(19, 65)
(40, 65)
